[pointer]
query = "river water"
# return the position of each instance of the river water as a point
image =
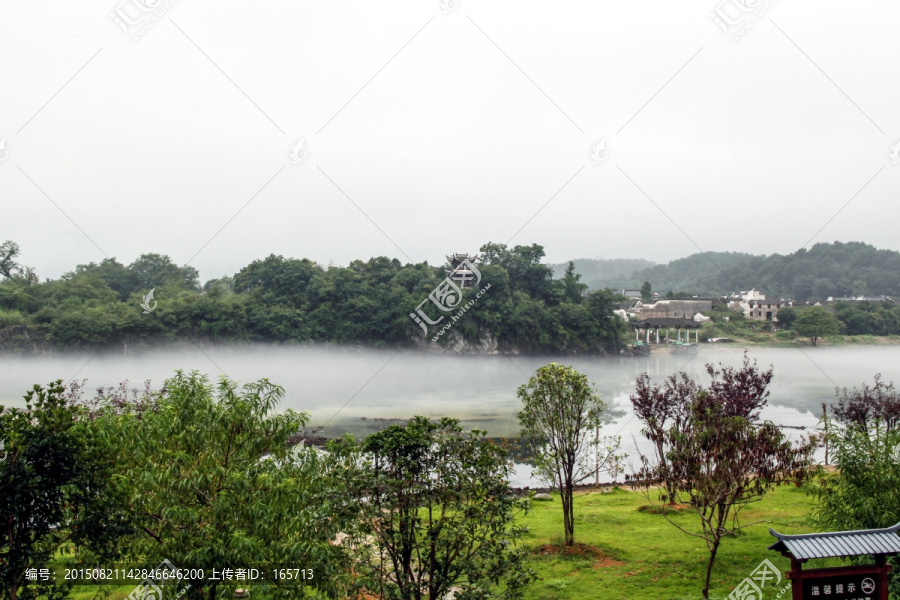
(352, 390)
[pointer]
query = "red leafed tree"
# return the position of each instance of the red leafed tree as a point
(712, 452)
(869, 407)
(660, 409)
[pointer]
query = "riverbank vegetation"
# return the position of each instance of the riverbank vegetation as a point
(204, 476)
(530, 306)
(838, 323)
(295, 301)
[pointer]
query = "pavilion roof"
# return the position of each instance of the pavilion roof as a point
(666, 322)
(838, 543)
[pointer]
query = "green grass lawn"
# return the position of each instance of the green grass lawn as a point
(642, 555)
(639, 555)
(753, 334)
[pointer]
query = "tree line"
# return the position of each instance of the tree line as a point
(295, 301)
(846, 318)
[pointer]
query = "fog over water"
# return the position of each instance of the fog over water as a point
(340, 386)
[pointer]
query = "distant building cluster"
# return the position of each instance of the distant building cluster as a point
(666, 314)
(648, 317)
(676, 311)
(754, 305)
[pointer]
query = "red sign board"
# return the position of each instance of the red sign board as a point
(868, 582)
(841, 587)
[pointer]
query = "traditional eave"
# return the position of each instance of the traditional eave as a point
(653, 322)
(839, 543)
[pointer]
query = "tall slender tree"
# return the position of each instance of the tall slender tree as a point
(560, 412)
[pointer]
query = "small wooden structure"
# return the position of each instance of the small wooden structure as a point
(459, 270)
(864, 582)
(666, 323)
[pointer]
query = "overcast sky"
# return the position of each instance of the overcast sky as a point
(428, 130)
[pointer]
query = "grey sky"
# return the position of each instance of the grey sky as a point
(461, 137)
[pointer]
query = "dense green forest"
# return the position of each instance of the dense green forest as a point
(838, 269)
(288, 300)
(529, 306)
(599, 273)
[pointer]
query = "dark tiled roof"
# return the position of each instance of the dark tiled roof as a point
(841, 543)
(666, 322)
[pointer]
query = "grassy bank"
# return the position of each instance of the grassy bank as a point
(756, 333)
(630, 553)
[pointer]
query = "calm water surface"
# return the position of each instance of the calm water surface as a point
(346, 389)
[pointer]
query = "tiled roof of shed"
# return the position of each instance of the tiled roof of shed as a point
(666, 322)
(839, 543)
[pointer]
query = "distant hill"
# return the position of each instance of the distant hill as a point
(838, 269)
(599, 273)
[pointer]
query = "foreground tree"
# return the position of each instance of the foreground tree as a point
(213, 482)
(435, 515)
(815, 322)
(659, 409)
(54, 490)
(560, 412)
(874, 409)
(714, 454)
(662, 409)
(863, 440)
